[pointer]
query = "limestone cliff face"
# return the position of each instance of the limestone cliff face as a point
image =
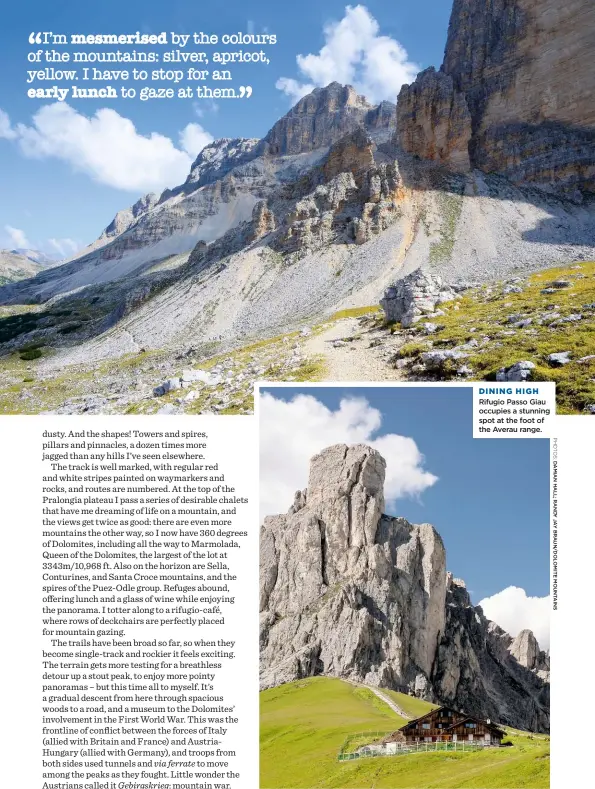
(349, 592)
(479, 667)
(338, 577)
(217, 159)
(434, 121)
(324, 116)
(521, 68)
(525, 650)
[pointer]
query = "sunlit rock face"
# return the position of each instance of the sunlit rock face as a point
(515, 82)
(324, 116)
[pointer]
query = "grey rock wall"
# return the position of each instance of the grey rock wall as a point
(521, 67)
(347, 591)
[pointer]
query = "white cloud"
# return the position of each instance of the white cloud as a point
(56, 248)
(64, 246)
(194, 138)
(514, 611)
(294, 89)
(205, 106)
(6, 130)
(291, 432)
(18, 239)
(107, 147)
(354, 53)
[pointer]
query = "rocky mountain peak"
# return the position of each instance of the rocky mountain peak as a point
(219, 157)
(322, 117)
(346, 489)
(348, 591)
(525, 649)
(128, 216)
(331, 98)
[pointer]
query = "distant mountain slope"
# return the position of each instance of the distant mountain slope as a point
(37, 257)
(16, 266)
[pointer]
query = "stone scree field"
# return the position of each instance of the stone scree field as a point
(546, 319)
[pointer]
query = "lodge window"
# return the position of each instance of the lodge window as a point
(425, 726)
(470, 725)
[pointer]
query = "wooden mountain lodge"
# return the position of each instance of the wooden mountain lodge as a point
(447, 725)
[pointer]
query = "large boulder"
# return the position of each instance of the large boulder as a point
(516, 373)
(416, 295)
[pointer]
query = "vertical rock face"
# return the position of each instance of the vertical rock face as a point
(525, 648)
(526, 652)
(337, 578)
(352, 153)
(263, 220)
(322, 117)
(434, 120)
(348, 197)
(476, 667)
(521, 68)
(347, 591)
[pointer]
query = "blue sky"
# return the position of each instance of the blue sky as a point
(68, 187)
(490, 502)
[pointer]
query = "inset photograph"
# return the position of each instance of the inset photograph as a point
(404, 593)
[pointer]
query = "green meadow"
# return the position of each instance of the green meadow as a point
(304, 724)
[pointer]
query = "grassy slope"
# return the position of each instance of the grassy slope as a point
(18, 377)
(409, 704)
(486, 310)
(304, 723)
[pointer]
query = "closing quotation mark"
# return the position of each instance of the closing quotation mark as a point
(245, 92)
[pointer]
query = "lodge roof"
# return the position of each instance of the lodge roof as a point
(490, 726)
(428, 714)
(462, 718)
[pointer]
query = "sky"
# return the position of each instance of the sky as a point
(68, 167)
(488, 499)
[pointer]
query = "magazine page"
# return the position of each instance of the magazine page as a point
(297, 371)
